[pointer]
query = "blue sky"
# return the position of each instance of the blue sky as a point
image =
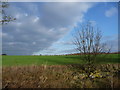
(47, 28)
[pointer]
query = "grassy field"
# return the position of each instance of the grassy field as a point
(54, 60)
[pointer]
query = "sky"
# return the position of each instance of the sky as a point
(47, 27)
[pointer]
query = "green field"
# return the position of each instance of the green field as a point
(53, 60)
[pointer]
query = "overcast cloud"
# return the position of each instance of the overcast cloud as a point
(39, 25)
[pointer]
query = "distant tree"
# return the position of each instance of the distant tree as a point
(87, 39)
(40, 54)
(4, 17)
(4, 54)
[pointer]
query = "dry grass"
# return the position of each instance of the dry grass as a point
(58, 76)
(35, 77)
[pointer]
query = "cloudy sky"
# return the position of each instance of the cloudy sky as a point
(47, 27)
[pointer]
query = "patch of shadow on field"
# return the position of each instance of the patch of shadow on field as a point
(99, 59)
(78, 57)
(108, 60)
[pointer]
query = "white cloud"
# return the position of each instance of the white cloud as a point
(112, 11)
(112, 42)
(36, 19)
(93, 22)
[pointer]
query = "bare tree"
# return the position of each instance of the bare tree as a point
(4, 17)
(87, 39)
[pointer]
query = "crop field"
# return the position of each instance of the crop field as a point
(59, 72)
(54, 60)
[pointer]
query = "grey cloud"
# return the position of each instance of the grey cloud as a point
(63, 14)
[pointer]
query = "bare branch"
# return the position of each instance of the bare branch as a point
(88, 42)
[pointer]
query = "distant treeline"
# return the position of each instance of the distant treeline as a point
(93, 53)
(73, 54)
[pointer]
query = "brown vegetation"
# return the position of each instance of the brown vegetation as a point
(61, 76)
